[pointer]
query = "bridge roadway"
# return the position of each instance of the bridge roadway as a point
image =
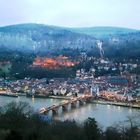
(64, 105)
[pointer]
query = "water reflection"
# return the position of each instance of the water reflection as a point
(130, 110)
(105, 115)
(119, 108)
(108, 106)
(33, 100)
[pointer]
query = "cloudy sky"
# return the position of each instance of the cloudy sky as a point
(71, 13)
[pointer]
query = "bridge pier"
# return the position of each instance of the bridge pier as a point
(81, 102)
(74, 104)
(88, 100)
(54, 112)
(46, 112)
(64, 108)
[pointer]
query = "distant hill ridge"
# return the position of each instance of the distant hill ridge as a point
(103, 31)
(42, 38)
(97, 30)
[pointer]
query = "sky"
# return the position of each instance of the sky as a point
(71, 13)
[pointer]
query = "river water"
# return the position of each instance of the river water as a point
(105, 115)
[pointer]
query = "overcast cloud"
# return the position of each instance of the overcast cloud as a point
(71, 13)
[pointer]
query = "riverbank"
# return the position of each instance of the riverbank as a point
(44, 96)
(9, 95)
(60, 97)
(130, 105)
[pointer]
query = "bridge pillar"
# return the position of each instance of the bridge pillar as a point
(54, 112)
(46, 112)
(89, 100)
(81, 102)
(64, 108)
(74, 104)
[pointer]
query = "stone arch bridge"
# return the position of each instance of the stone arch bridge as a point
(64, 105)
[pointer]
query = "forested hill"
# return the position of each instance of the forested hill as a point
(117, 42)
(44, 39)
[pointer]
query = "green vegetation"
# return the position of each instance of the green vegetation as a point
(43, 72)
(18, 62)
(18, 121)
(5, 69)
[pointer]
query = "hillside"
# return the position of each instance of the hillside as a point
(116, 42)
(42, 38)
(102, 32)
(21, 44)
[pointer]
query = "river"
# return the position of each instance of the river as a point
(105, 115)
